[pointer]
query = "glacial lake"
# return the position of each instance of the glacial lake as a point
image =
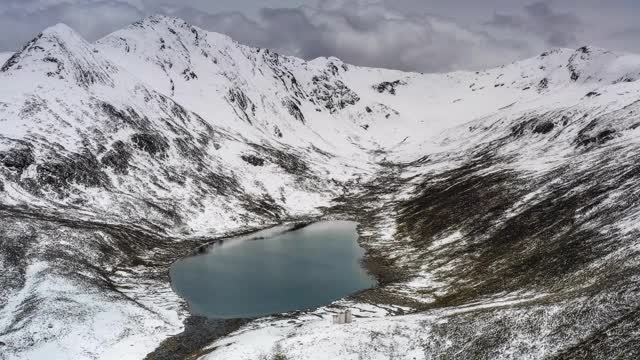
(273, 271)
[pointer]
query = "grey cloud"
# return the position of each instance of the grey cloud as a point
(539, 19)
(363, 32)
(626, 38)
(510, 21)
(91, 18)
(367, 34)
(562, 39)
(286, 30)
(401, 34)
(561, 28)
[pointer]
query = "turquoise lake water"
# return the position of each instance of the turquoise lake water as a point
(274, 273)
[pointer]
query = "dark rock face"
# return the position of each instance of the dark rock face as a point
(388, 86)
(188, 74)
(238, 96)
(121, 118)
(333, 69)
(241, 103)
(80, 168)
(59, 66)
(544, 127)
(275, 62)
(595, 134)
(253, 160)
(277, 132)
(599, 139)
(117, 158)
(188, 148)
(264, 206)
(524, 127)
(293, 107)
(584, 50)
(581, 54)
(550, 52)
(14, 247)
(17, 159)
(220, 184)
(543, 84)
(153, 144)
(574, 75)
(288, 161)
(333, 94)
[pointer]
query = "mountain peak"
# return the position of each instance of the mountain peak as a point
(174, 48)
(61, 30)
(165, 26)
(163, 22)
(60, 52)
(163, 19)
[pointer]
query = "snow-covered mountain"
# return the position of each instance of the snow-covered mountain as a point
(498, 208)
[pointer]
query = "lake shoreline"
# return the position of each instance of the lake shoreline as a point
(201, 331)
(286, 268)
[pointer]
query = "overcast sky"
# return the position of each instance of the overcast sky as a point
(418, 35)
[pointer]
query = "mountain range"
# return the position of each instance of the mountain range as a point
(499, 208)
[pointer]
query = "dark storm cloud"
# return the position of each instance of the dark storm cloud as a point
(438, 35)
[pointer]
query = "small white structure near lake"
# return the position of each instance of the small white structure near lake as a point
(344, 317)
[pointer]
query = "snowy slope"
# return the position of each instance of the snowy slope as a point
(478, 192)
